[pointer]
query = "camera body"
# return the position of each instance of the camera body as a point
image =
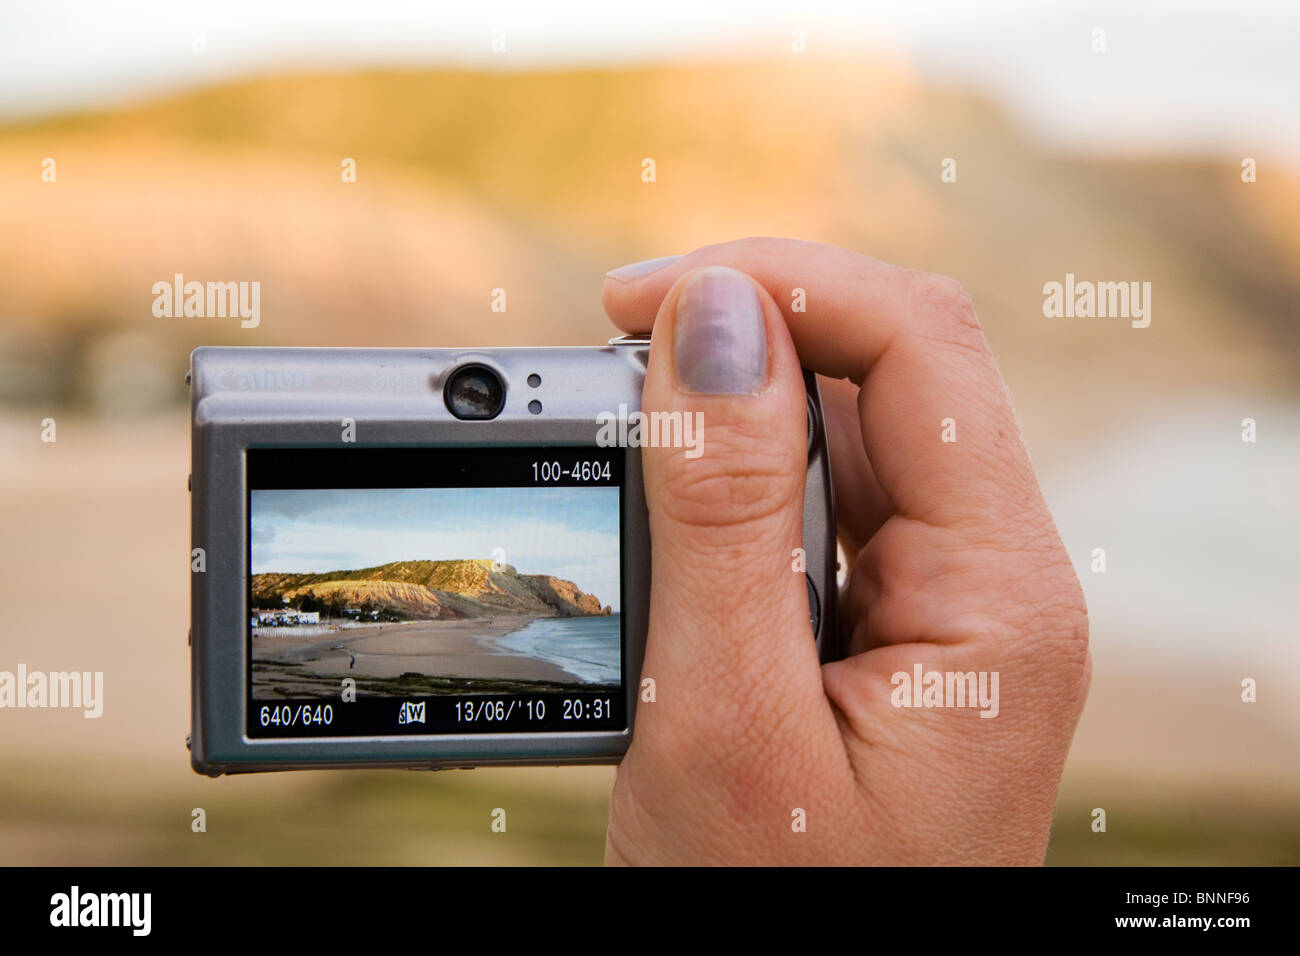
(432, 558)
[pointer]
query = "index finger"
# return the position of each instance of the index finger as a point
(937, 423)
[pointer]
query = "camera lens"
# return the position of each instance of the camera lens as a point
(474, 392)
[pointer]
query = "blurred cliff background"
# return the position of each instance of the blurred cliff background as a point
(504, 148)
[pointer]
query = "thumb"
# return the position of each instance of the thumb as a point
(729, 644)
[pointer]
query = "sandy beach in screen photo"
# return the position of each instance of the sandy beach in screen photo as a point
(286, 665)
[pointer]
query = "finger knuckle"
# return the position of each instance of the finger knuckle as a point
(946, 309)
(942, 293)
(1060, 624)
(742, 479)
(1073, 626)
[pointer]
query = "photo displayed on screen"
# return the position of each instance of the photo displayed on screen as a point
(418, 592)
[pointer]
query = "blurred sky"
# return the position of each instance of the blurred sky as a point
(1177, 75)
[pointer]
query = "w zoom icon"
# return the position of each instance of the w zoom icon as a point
(411, 713)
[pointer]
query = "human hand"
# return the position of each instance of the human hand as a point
(955, 565)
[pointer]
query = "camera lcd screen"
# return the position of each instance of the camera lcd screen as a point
(409, 591)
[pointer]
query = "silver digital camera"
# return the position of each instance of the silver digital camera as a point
(431, 558)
